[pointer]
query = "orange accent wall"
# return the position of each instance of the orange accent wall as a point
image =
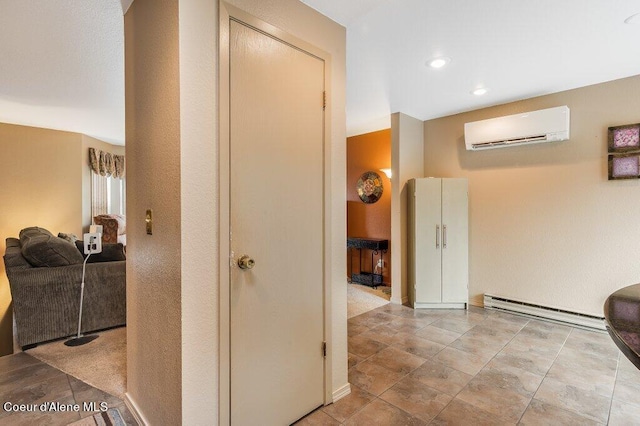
(369, 152)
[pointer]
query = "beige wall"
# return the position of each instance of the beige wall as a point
(154, 345)
(172, 280)
(199, 212)
(407, 148)
(546, 226)
(42, 184)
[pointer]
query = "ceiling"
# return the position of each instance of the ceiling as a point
(516, 49)
(62, 63)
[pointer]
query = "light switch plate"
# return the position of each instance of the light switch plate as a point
(92, 242)
(149, 222)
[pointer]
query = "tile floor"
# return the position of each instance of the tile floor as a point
(480, 367)
(27, 380)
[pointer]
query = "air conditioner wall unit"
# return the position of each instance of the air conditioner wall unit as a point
(545, 125)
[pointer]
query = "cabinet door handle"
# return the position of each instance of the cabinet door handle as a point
(444, 236)
(437, 236)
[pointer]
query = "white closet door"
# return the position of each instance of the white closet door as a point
(276, 217)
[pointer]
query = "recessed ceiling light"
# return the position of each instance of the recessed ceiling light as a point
(480, 91)
(633, 19)
(438, 62)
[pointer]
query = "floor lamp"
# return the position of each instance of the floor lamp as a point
(92, 243)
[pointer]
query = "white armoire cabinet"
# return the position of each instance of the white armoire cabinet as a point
(438, 237)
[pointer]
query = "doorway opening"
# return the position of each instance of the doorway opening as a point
(368, 221)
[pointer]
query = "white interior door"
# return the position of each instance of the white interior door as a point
(276, 218)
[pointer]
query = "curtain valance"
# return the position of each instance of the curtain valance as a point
(106, 164)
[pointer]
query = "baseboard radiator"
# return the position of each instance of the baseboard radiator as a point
(574, 319)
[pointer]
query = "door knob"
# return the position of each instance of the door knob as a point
(245, 262)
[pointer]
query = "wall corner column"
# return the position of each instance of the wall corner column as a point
(407, 162)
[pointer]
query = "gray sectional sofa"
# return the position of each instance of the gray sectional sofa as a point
(45, 274)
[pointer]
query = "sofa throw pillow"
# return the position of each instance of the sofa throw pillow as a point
(72, 238)
(119, 222)
(110, 253)
(114, 228)
(41, 248)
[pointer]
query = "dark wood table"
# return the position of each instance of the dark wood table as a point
(622, 316)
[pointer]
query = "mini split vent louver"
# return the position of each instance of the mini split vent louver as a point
(546, 125)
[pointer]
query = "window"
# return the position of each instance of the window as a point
(108, 195)
(107, 183)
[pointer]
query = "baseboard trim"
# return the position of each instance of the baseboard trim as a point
(399, 301)
(549, 313)
(341, 392)
(135, 410)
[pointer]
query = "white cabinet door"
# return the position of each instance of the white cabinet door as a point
(455, 241)
(438, 243)
(428, 224)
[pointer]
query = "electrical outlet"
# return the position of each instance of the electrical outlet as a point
(380, 263)
(92, 243)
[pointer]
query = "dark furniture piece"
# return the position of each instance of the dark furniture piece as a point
(46, 298)
(378, 248)
(622, 317)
